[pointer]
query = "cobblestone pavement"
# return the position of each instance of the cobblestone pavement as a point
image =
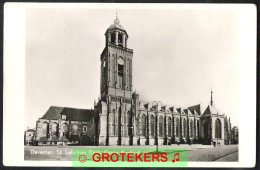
(230, 158)
(219, 153)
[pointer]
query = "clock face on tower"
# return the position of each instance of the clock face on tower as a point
(120, 61)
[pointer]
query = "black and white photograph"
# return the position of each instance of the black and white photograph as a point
(134, 76)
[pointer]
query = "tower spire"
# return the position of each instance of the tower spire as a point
(211, 99)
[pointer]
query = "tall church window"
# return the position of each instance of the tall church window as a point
(54, 129)
(110, 130)
(169, 127)
(122, 124)
(185, 127)
(65, 128)
(128, 122)
(74, 130)
(45, 129)
(191, 128)
(143, 123)
(198, 128)
(152, 126)
(205, 129)
(114, 122)
(217, 128)
(177, 126)
(161, 126)
(120, 74)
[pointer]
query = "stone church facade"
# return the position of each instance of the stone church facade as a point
(121, 118)
(63, 125)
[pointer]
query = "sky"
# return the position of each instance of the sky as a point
(179, 56)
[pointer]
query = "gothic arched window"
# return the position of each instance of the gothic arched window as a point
(54, 129)
(113, 122)
(143, 123)
(170, 127)
(191, 128)
(177, 126)
(45, 129)
(75, 129)
(161, 126)
(217, 128)
(65, 128)
(198, 128)
(116, 128)
(152, 126)
(120, 70)
(129, 123)
(205, 129)
(185, 127)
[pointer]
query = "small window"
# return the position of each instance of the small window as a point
(84, 128)
(63, 117)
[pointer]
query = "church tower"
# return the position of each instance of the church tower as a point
(116, 63)
(115, 110)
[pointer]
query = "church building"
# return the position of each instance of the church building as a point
(121, 118)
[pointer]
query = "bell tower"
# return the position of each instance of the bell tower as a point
(115, 110)
(116, 63)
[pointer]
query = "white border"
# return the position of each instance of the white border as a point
(14, 78)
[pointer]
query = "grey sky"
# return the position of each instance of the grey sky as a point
(179, 55)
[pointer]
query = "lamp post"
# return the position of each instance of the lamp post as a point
(156, 121)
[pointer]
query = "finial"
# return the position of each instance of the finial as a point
(116, 21)
(211, 100)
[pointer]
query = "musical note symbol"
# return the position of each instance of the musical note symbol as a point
(177, 154)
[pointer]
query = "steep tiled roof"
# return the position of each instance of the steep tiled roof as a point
(173, 109)
(72, 114)
(78, 114)
(187, 111)
(197, 108)
(210, 110)
(53, 112)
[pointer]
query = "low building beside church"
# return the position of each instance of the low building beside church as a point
(63, 125)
